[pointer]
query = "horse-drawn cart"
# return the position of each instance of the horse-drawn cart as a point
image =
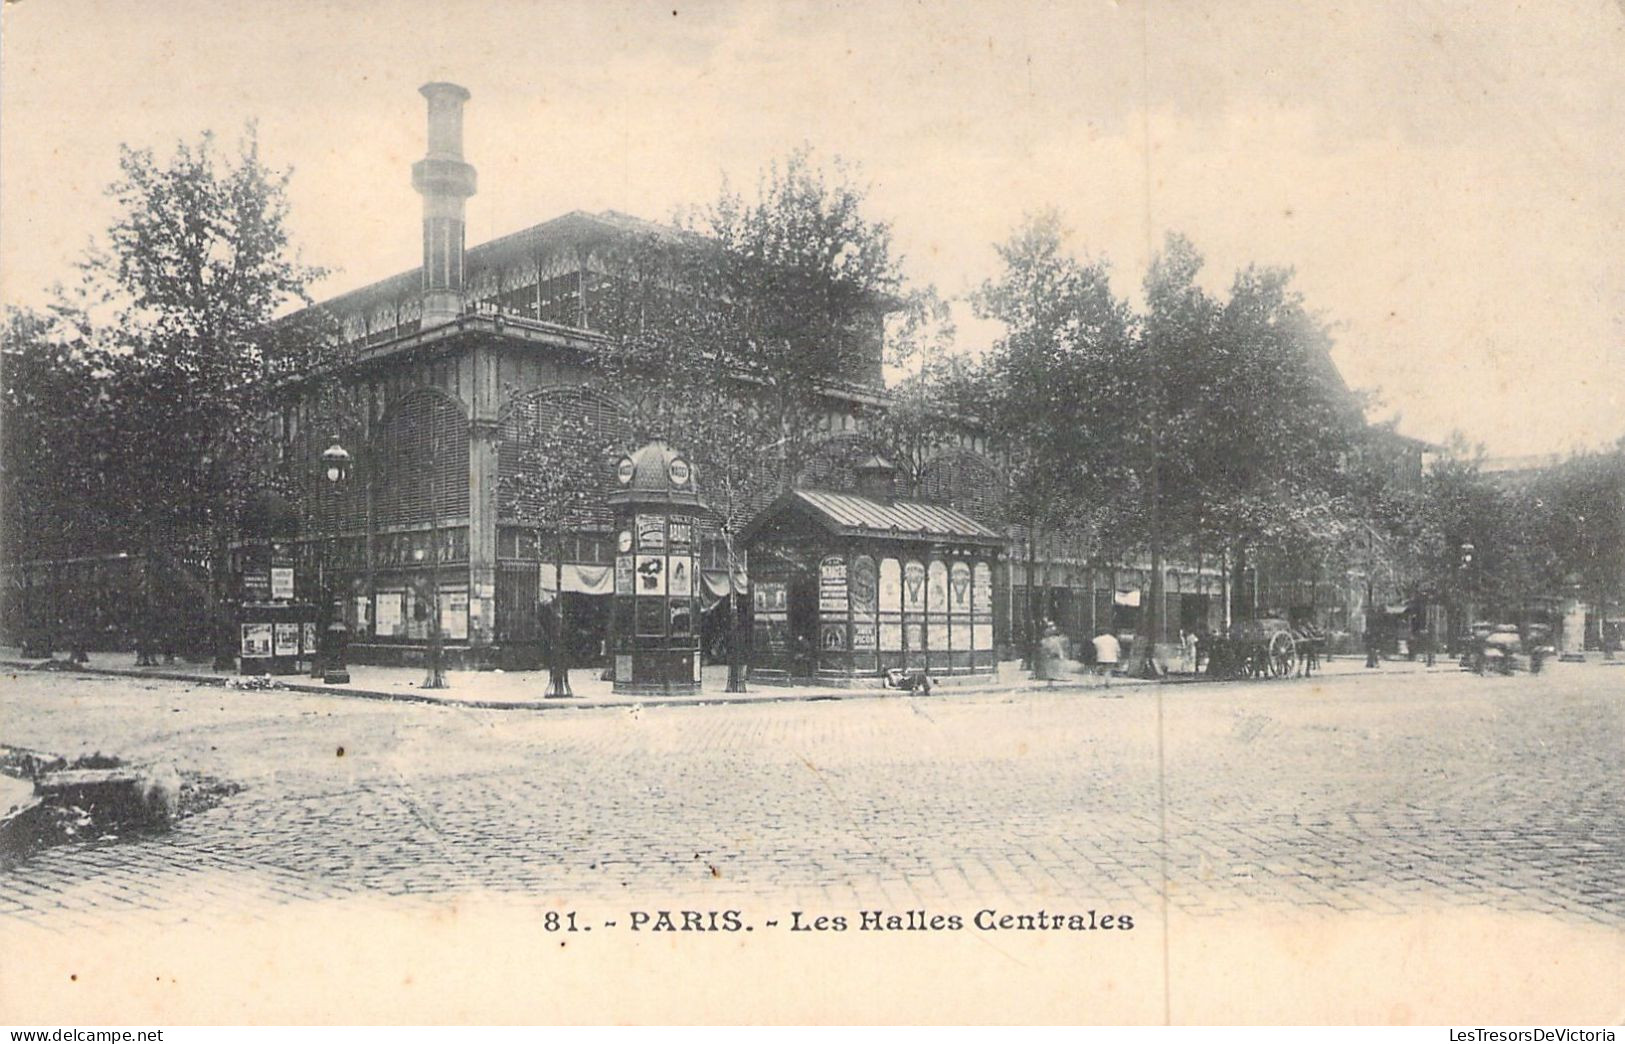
(1264, 648)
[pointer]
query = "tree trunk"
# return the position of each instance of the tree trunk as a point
(558, 667)
(1151, 618)
(220, 615)
(1031, 638)
(736, 633)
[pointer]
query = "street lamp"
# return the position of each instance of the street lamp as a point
(336, 469)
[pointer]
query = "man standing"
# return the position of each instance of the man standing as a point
(1107, 652)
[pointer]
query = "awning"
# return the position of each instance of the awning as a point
(714, 585)
(578, 579)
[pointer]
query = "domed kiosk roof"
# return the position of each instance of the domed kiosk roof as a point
(656, 474)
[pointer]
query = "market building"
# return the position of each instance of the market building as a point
(446, 365)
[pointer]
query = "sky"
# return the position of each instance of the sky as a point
(1447, 180)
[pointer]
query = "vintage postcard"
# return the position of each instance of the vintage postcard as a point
(966, 512)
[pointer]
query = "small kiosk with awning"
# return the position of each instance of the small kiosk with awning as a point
(847, 586)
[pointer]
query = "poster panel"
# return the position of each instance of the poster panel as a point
(832, 589)
(936, 585)
(282, 582)
(390, 622)
(454, 614)
(832, 637)
(959, 593)
(862, 587)
(308, 637)
(864, 637)
(891, 637)
(982, 588)
(623, 575)
(651, 617)
(651, 532)
(769, 596)
(959, 633)
(914, 588)
(682, 617)
(680, 531)
(257, 639)
(651, 575)
(680, 582)
(285, 637)
(891, 585)
(936, 636)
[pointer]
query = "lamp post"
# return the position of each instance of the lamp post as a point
(336, 469)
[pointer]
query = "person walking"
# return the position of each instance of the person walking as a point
(1107, 652)
(1371, 646)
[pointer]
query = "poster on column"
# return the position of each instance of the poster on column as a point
(651, 578)
(680, 579)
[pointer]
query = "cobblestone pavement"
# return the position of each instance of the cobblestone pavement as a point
(1380, 795)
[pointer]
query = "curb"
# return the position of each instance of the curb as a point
(722, 699)
(222, 681)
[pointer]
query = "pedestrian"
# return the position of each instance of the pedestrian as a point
(1371, 646)
(1107, 652)
(1052, 654)
(1430, 646)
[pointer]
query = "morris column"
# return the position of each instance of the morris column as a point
(656, 627)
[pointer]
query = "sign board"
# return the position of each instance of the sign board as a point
(286, 639)
(256, 583)
(282, 582)
(680, 531)
(864, 637)
(257, 639)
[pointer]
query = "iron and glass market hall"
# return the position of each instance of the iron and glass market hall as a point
(447, 370)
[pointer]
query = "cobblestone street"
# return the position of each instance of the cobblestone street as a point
(1376, 796)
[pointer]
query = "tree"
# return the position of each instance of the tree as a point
(1577, 515)
(193, 268)
(550, 491)
(1052, 388)
(730, 333)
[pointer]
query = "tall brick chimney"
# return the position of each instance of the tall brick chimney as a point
(445, 182)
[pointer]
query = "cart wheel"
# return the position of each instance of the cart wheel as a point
(1282, 655)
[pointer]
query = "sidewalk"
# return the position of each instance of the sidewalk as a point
(523, 690)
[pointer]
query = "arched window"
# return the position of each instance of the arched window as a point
(422, 456)
(599, 427)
